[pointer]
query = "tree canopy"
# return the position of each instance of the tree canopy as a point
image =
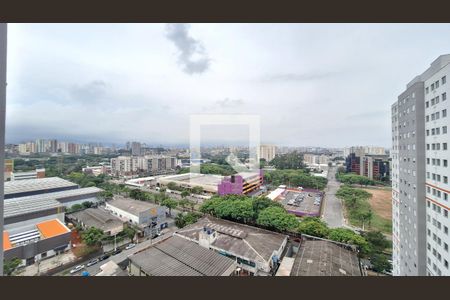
(277, 218)
(292, 160)
(92, 236)
(295, 178)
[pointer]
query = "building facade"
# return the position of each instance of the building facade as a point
(371, 166)
(267, 152)
(437, 172)
(420, 174)
(409, 257)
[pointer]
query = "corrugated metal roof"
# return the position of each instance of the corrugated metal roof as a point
(177, 256)
(18, 206)
(98, 218)
(29, 185)
(129, 205)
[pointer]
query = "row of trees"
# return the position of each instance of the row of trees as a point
(162, 199)
(295, 178)
(268, 214)
(184, 219)
(78, 207)
(351, 178)
(292, 160)
(93, 236)
(357, 205)
(212, 168)
(194, 190)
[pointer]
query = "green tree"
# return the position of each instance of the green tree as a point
(106, 195)
(129, 232)
(87, 204)
(293, 160)
(347, 236)
(313, 226)
(183, 203)
(380, 263)
(184, 219)
(277, 218)
(9, 266)
(377, 240)
(172, 186)
(170, 204)
(92, 236)
(261, 203)
(198, 190)
(184, 194)
(76, 207)
(180, 221)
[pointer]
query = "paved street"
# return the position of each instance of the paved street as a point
(121, 257)
(332, 212)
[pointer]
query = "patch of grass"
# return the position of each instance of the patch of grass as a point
(356, 202)
(381, 224)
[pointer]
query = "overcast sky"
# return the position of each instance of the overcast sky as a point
(311, 84)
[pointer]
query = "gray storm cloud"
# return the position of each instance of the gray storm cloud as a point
(192, 55)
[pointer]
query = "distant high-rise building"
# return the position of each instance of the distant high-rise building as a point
(136, 148)
(41, 146)
(53, 146)
(267, 152)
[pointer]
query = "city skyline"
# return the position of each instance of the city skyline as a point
(88, 86)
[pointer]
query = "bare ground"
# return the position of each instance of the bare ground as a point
(381, 202)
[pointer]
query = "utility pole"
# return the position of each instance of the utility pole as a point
(3, 34)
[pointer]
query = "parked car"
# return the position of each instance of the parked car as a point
(103, 257)
(117, 251)
(130, 246)
(92, 262)
(76, 269)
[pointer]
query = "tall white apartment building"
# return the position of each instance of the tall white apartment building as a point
(408, 178)
(437, 122)
(420, 174)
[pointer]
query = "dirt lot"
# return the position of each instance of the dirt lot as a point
(381, 202)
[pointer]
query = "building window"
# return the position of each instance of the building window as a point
(444, 129)
(444, 79)
(427, 89)
(444, 113)
(444, 146)
(427, 104)
(444, 96)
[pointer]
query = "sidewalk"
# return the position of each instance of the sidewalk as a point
(47, 264)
